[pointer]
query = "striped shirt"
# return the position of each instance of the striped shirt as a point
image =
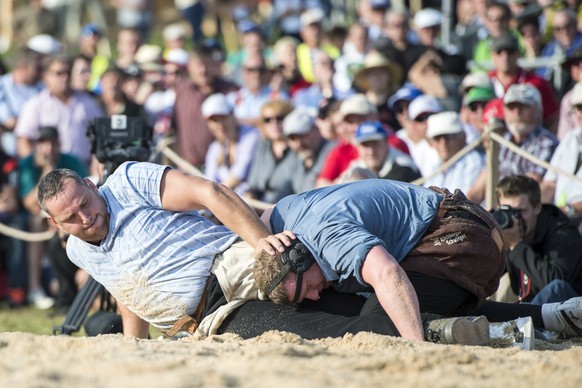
(154, 261)
(540, 143)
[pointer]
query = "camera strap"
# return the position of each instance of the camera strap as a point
(525, 288)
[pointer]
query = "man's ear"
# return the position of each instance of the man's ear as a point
(90, 184)
(537, 209)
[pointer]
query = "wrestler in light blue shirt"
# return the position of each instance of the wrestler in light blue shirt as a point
(149, 248)
(340, 224)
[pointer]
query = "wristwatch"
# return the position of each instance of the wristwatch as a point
(570, 210)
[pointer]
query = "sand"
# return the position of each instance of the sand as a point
(275, 358)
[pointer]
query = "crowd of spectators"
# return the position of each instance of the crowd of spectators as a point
(301, 103)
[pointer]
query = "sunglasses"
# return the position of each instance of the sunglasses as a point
(254, 69)
(509, 51)
(475, 106)
(422, 118)
(401, 108)
(563, 28)
(273, 118)
(578, 107)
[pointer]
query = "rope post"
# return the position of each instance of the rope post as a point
(492, 168)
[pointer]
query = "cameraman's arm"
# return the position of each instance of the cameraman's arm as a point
(561, 257)
(132, 324)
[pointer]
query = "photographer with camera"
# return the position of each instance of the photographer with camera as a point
(544, 249)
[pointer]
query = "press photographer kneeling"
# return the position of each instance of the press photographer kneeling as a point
(544, 249)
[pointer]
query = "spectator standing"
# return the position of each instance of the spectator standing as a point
(376, 155)
(505, 53)
(270, 175)
(352, 58)
(322, 90)
(447, 135)
(193, 12)
(230, 155)
(287, 76)
(46, 156)
(89, 47)
(311, 34)
(193, 135)
(568, 121)
(60, 107)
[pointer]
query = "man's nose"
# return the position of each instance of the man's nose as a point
(86, 218)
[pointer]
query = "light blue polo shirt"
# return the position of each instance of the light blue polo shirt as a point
(154, 261)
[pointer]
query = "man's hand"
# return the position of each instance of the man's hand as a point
(514, 235)
(275, 242)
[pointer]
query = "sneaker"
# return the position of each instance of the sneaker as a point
(519, 333)
(40, 300)
(459, 330)
(564, 317)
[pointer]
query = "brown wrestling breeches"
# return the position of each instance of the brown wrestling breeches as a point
(463, 245)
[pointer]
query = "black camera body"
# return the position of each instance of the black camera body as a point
(118, 139)
(503, 215)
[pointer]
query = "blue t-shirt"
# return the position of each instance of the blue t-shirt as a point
(340, 224)
(154, 261)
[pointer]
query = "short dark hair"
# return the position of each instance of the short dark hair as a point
(52, 184)
(515, 185)
(62, 58)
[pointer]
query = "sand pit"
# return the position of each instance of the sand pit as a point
(275, 358)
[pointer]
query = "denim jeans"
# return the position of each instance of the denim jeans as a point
(557, 290)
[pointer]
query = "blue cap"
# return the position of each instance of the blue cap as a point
(89, 30)
(370, 130)
(246, 26)
(380, 4)
(406, 93)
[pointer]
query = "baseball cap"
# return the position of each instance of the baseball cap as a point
(174, 31)
(574, 57)
(176, 56)
(493, 112)
(423, 104)
(479, 94)
(525, 94)
(311, 16)
(427, 17)
(406, 93)
(89, 30)
(380, 4)
(577, 94)
(44, 44)
(356, 104)
(298, 122)
(370, 130)
(216, 105)
(47, 133)
(245, 26)
(506, 41)
(471, 80)
(444, 123)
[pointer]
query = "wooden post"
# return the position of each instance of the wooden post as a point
(492, 168)
(5, 25)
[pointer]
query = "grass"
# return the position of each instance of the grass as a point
(29, 320)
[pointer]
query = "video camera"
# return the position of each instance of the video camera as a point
(503, 215)
(118, 139)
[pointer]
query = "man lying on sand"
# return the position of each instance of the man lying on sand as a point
(139, 236)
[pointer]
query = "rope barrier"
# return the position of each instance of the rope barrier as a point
(164, 148)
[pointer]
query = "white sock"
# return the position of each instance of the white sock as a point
(551, 318)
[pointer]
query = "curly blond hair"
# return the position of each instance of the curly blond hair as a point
(266, 268)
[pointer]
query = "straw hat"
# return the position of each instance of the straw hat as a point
(375, 60)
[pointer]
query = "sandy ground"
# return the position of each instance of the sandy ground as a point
(284, 359)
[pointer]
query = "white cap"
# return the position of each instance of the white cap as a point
(577, 94)
(311, 16)
(356, 104)
(176, 56)
(427, 17)
(478, 79)
(174, 31)
(298, 122)
(423, 104)
(526, 94)
(216, 105)
(444, 123)
(44, 44)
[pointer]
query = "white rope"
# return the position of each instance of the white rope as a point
(26, 236)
